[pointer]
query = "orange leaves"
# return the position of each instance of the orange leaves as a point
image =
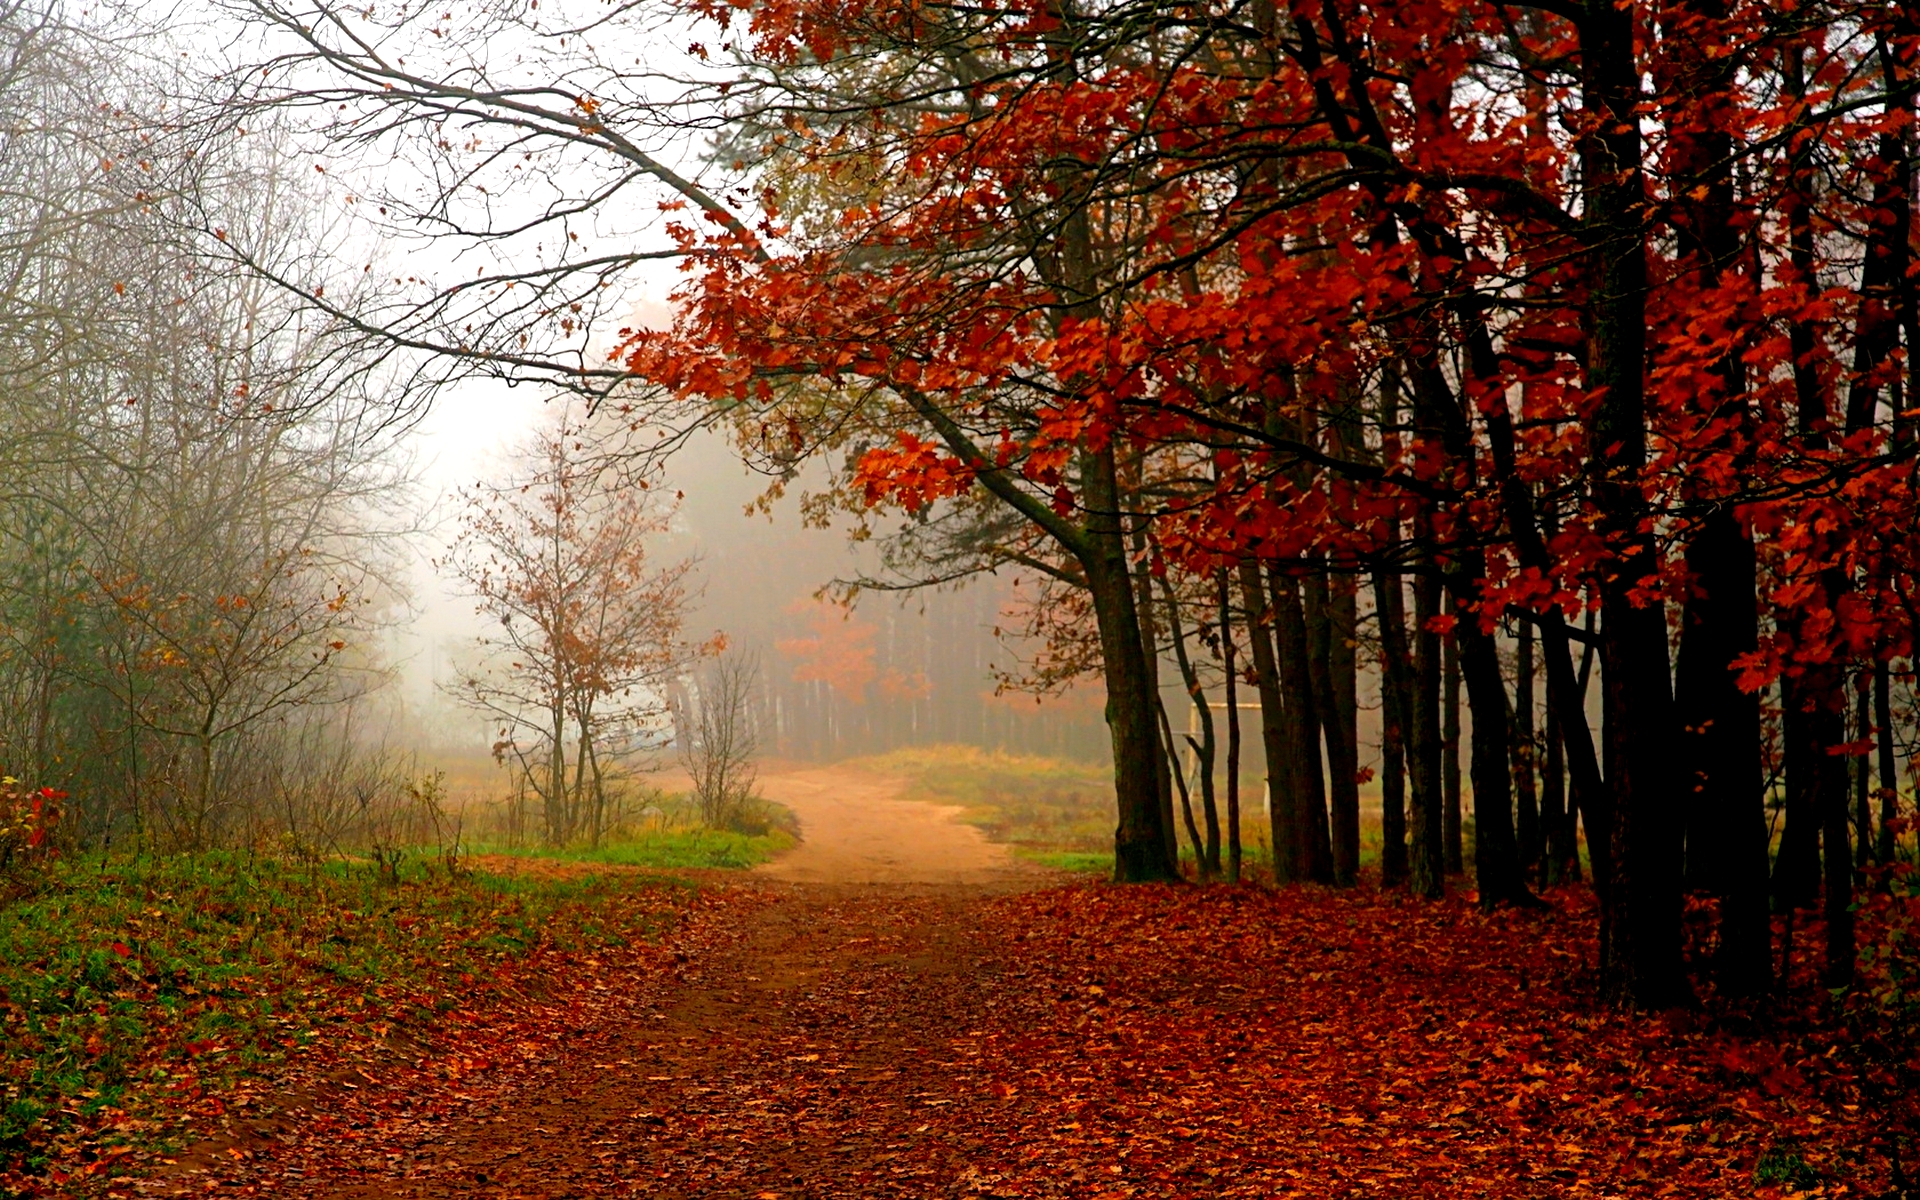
(911, 473)
(839, 650)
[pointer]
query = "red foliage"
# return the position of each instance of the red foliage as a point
(1444, 198)
(28, 818)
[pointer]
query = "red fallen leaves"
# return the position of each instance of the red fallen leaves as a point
(1165, 1041)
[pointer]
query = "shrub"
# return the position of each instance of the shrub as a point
(28, 817)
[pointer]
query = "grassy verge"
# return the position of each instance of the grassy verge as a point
(132, 989)
(663, 849)
(1090, 862)
(1057, 812)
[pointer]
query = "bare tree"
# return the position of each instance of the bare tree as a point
(199, 470)
(717, 738)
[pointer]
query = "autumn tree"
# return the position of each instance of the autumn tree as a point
(589, 631)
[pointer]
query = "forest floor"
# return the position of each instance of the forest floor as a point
(901, 1009)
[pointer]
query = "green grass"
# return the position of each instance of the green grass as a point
(1092, 862)
(123, 981)
(663, 849)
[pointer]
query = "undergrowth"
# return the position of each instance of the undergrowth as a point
(130, 986)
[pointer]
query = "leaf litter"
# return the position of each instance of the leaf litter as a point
(846, 1041)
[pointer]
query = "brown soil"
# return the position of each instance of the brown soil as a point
(796, 1057)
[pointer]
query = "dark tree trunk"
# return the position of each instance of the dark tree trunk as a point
(1303, 721)
(1428, 878)
(1396, 704)
(1838, 861)
(1330, 623)
(1396, 661)
(1167, 761)
(1723, 790)
(1642, 958)
(1862, 785)
(1345, 613)
(1454, 821)
(1232, 689)
(1527, 801)
(1889, 766)
(1206, 853)
(1815, 701)
(1266, 675)
(1896, 69)
(1644, 919)
(1144, 838)
(1560, 822)
(1496, 857)
(1186, 797)
(1796, 865)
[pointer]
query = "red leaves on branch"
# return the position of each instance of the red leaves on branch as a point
(1275, 239)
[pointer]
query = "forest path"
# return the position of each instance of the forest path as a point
(798, 1054)
(855, 828)
(802, 1060)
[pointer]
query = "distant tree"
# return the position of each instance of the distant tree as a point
(197, 479)
(589, 631)
(717, 739)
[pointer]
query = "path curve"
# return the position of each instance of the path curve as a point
(855, 828)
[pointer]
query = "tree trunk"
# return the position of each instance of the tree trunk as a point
(1331, 620)
(1396, 701)
(1206, 853)
(1889, 767)
(1527, 800)
(1143, 838)
(1642, 959)
(1862, 785)
(1718, 725)
(1266, 676)
(1558, 820)
(556, 790)
(1838, 860)
(1186, 797)
(1796, 865)
(1454, 821)
(1496, 857)
(1232, 689)
(1429, 863)
(1164, 764)
(1313, 853)
(1643, 927)
(1720, 731)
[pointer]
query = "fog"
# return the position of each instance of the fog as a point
(838, 676)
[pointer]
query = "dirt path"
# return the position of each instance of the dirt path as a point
(856, 829)
(793, 1064)
(798, 1059)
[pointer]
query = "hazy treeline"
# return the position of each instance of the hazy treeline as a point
(197, 470)
(887, 675)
